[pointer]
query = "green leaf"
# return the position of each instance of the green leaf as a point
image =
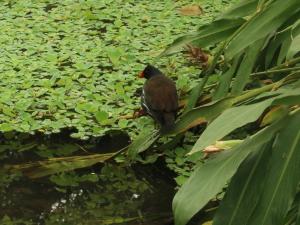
(209, 179)
(288, 97)
(246, 66)
(114, 55)
(240, 9)
(202, 114)
(194, 96)
(204, 41)
(294, 47)
(225, 80)
(142, 143)
(89, 107)
(283, 177)
(292, 214)
(298, 216)
(283, 51)
(6, 127)
(277, 41)
(228, 121)
(244, 190)
(101, 116)
(210, 34)
(259, 26)
(274, 114)
(122, 123)
(236, 117)
(89, 15)
(8, 111)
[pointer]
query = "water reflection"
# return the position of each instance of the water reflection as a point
(107, 193)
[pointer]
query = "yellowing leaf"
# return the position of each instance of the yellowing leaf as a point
(271, 116)
(208, 223)
(191, 10)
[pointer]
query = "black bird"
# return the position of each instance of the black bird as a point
(159, 98)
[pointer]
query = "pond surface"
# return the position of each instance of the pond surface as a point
(109, 193)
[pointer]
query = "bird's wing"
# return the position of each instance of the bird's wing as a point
(161, 95)
(144, 103)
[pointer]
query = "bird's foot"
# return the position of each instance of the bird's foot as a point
(138, 113)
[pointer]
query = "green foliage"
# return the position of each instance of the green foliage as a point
(75, 63)
(207, 35)
(73, 200)
(6, 220)
(177, 162)
(142, 142)
(238, 117)
(266, 20)
(244, 191)
(261, 48)
(209, 178)
(207, 113)
(108, 202)
(72, 179)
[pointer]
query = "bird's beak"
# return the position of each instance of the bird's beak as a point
(141, 74)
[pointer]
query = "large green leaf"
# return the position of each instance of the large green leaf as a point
(209, 34)
(225, 80)
(283, 51)
(228, 121)
(298, 217)
(293, 211)
(294, 47)
(241, 9)
(244, 190)
(259, 26)
(194, 96)
(288, 34)
(246, 67)
(205, 41)
(236, 117)
(202, 114)
(283, 177)
(208, 179)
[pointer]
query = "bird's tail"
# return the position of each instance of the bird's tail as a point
(168, 123)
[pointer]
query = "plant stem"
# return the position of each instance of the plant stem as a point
(295, 111)
(290, 63)
(254, 93)
(198, 89)
(274, 71)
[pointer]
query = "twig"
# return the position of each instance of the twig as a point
(274, 71)
(82, 148)
(254, 93)
(292, 62)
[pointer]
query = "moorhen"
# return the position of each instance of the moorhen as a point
(159, 98)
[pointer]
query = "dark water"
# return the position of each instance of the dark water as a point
(109, 193)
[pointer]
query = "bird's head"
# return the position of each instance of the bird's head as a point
(149, 72)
